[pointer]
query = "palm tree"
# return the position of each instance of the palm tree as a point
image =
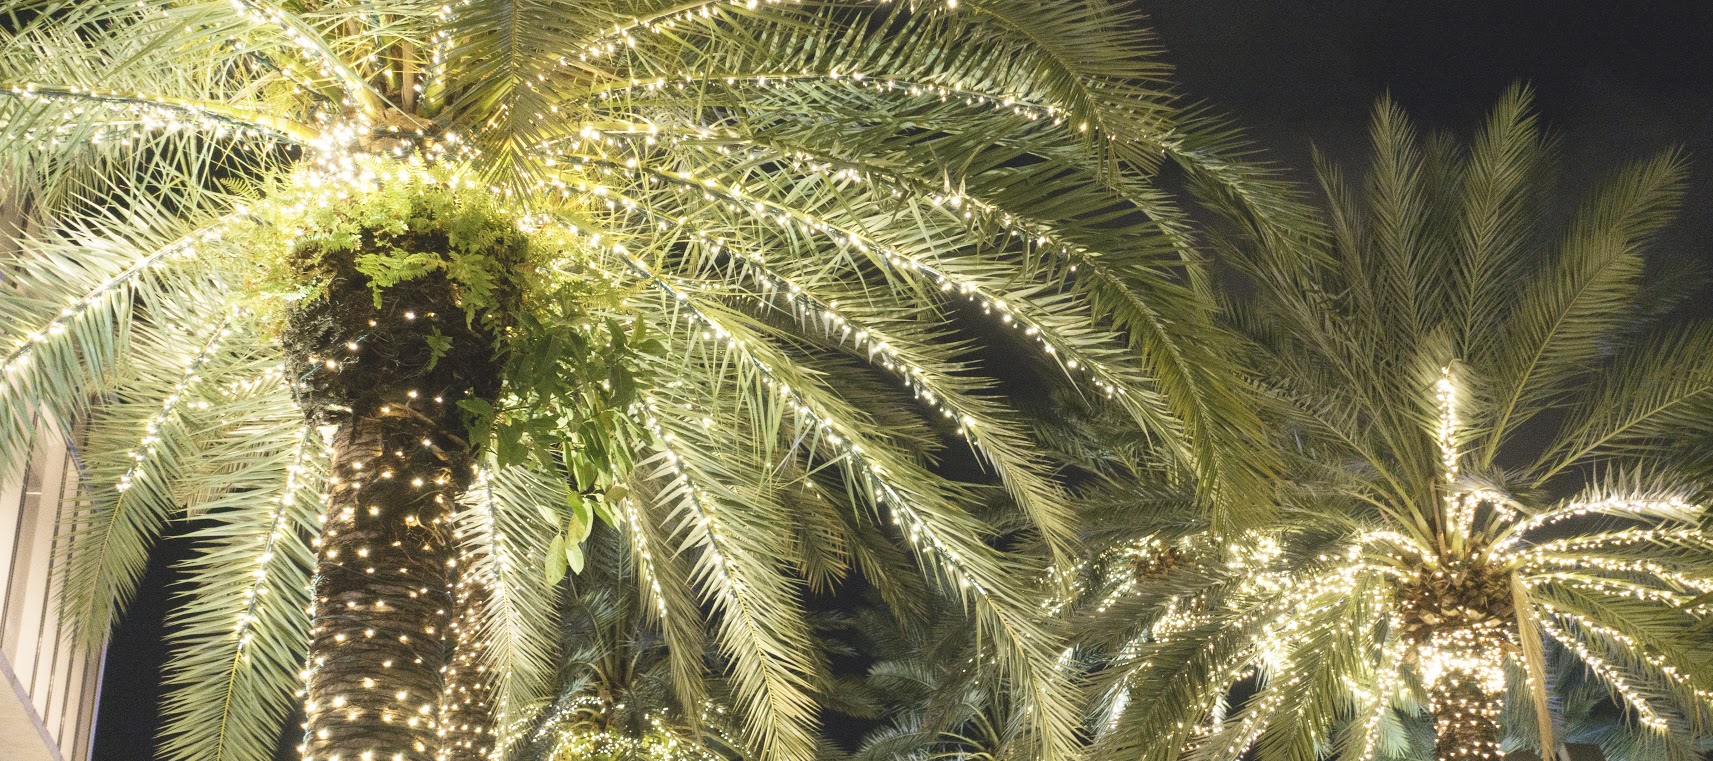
(1485, 432)
(315, 273)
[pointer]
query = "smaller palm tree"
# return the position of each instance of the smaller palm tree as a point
(1485, 432)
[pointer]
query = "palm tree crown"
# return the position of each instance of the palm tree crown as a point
(723, 241)
(1485, 454)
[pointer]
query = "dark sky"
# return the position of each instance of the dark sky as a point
(1616, 80)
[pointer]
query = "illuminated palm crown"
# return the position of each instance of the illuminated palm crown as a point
(1489, 470)
(770, 212)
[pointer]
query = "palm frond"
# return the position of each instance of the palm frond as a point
(1566, 321)
(1650, 395)
(240, 638)
(1497, 226)
(507, 535)
(143, 452)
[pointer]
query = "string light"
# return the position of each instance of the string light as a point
(585, 728)
(170, 406)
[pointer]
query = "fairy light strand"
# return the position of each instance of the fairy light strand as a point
(184, 247)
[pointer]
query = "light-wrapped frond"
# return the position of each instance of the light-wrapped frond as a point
(945, 537)
(1295, 639)
(496, 58)
(1172, 685)
(888, 568)
(67, 312)
(1623, 542)
(765, 354)
(1300, 612)
(763, 635)
(1613, 574)
(1005, 189)
(96, 97)
(1152, 634)
(1643, 660)
(318, 41)
(1099, 82)
(1305, 692)
(332, 55)
(885, 328)
(1071, 88)
(1625, 495)
(240, 638)
(1611, 599)
(915, 257)
(1584, 703)
(506, 535)
(716, 452)
(662, 575)
(183, 384)
(1372, 732)
(1011, 171)
(131, 115)
(919, 357)
(1653, 626)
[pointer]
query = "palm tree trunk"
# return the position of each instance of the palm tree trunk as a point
(384, 682)
(383, 593)
(1466, 719)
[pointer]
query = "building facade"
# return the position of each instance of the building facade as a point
(51, 684)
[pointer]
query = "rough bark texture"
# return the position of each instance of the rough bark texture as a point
(380, 684)
(1466, 719)
(382, 595)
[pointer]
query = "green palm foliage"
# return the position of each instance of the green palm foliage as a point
(751, 233)
(1485, 433)
(939, 697)
(614, 693)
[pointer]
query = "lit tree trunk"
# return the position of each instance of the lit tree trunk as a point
(1461, 617)
(1466, 718)
(467, 709)
(381, 682)
(382, 594)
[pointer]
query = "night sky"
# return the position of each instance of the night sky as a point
(1617, 81)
